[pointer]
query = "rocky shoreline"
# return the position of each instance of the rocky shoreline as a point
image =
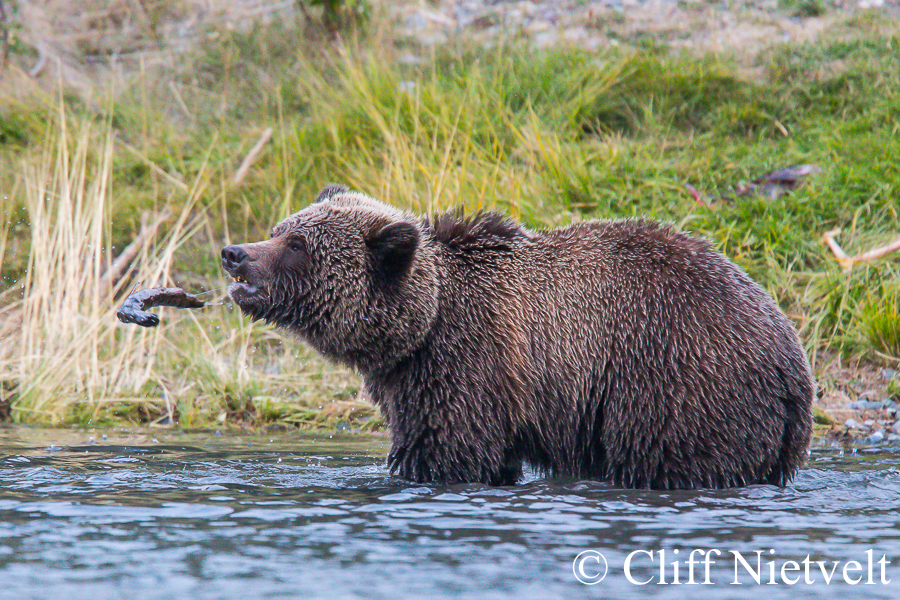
(859, 405)
(700, 25)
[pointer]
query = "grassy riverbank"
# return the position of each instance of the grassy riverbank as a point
(548, 136)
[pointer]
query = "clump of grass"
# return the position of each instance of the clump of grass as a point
(679, 91)
(880, 319)
(806, 8)
(893, 387)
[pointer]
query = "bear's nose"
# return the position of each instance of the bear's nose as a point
(233, 257)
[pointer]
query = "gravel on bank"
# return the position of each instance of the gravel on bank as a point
(701, 25)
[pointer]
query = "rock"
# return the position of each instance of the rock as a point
(851, 424)
(872, 404)
(868, 422)
(435, 39)
(530, 8)
(439, 18)
(485, 21)
(409, 59)
(416, 20)
(538, 27)
(574, 34)
(593, 43)
(888, 374)
(893, 439)
(421, 24)
(515, 15)
(875, 438)
(545, 39)
(896, 427)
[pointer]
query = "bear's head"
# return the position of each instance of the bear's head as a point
(355, 278)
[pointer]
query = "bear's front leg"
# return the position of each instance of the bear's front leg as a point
(433, 457)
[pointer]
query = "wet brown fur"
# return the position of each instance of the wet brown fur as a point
(618, 350)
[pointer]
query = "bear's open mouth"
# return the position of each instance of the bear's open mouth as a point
(243, 290)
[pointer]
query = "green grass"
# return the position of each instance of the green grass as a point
(549, 137)
(880, 317)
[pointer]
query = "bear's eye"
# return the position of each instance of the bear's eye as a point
(295, 246)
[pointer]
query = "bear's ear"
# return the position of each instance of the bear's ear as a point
(331, 190)
(394, 247)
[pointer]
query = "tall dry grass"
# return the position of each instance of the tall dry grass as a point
(64, 356)
(62, 342)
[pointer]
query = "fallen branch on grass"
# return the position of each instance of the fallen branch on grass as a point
(847, 262)
(251, 156)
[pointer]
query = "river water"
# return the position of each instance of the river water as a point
(169, 514)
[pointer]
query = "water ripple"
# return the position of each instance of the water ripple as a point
(209, 516)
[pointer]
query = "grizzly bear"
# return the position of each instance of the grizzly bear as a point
(618, 350)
